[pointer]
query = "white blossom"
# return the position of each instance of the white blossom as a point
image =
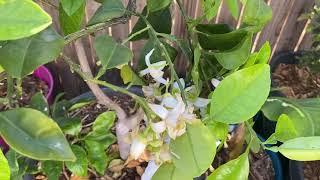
(215, 82)
(137, 148)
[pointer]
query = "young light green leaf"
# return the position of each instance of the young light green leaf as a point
(199, 155)
(19, 58)
(169, 171)
(80, 166)
(110, 53)
(285, 129)
(52, 169)
(241, 95)
(261, 57)
(233, 8)
(129, 76)
(220, 130)
(156, 5)
(256, 14)
(70, 126)
(1, 69)
(71, 23)
(71, 6)
(33, 134)
(21, 18)
(163, 16)
(108, 10)
(39, 102)
(97, 155)
(302, 148)
(4, 166)
(210, 8)
(235, 169)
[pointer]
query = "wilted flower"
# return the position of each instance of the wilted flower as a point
(137, 147)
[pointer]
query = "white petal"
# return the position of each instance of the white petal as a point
(147, 57)
(169, 101)
(201, 102)
(161, 80)
(176, 112)
(156, 73)
(147, 91)
(159, 110)
(218, 143)
(144, 72)
(137, 148)
(158, 65)
(176, 85)
(150, 170)
(158, 127)
(215, 82)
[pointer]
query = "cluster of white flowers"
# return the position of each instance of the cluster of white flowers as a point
(173, 115)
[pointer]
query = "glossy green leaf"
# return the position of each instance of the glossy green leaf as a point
(129, 76)
(16, 172)
(97, 155)
(285, 129)
(218, 129)
(304, 113)
(52, 169)
(39, 102)
(237, 169)
(210, 8)
(156, 55)
(163, 16)
(19, 58)
(302, 149)
(199, 155)
(4, 166)
(156, 5)
(256, 14)
(241, 95)
(108, 10)
(80, 166)
(233, 8)
(71, 23)
(168, 171)
(21, 18)
(110, 53)
(33, 134)
(235, 57)
(71, 6)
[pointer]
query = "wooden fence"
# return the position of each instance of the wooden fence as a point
(285, 33)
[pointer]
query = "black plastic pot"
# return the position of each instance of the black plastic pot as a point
(293, 170)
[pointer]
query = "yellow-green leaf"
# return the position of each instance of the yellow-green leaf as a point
(4, 168)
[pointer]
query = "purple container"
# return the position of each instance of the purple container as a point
(45, 75)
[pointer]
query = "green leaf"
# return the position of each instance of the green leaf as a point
(97, 155)
(156, 5)
(33, 134)
(168, 171)
(195, 69)
(4, 166)
(156, 56)
(110, 53)
(129, 76)
(285, 129)
(302, 149)
(16, 172)
(256, 14)
(80, 166)
(220, 130)
(261, 57)
(235, 169)
(71, 6)
(233, 8)
(241, 95)
(210, 8)
(1, 69)
(195, 150)
(108, 10)
(71, 126)
(235, 57)
(21, 18)
(39, 102)
(71, 23)
(79, 105)
(304, 113)
(101, 129)
(52, 169)
(163, 16)
(19, 58)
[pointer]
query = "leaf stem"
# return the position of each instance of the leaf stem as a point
(134, 35)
